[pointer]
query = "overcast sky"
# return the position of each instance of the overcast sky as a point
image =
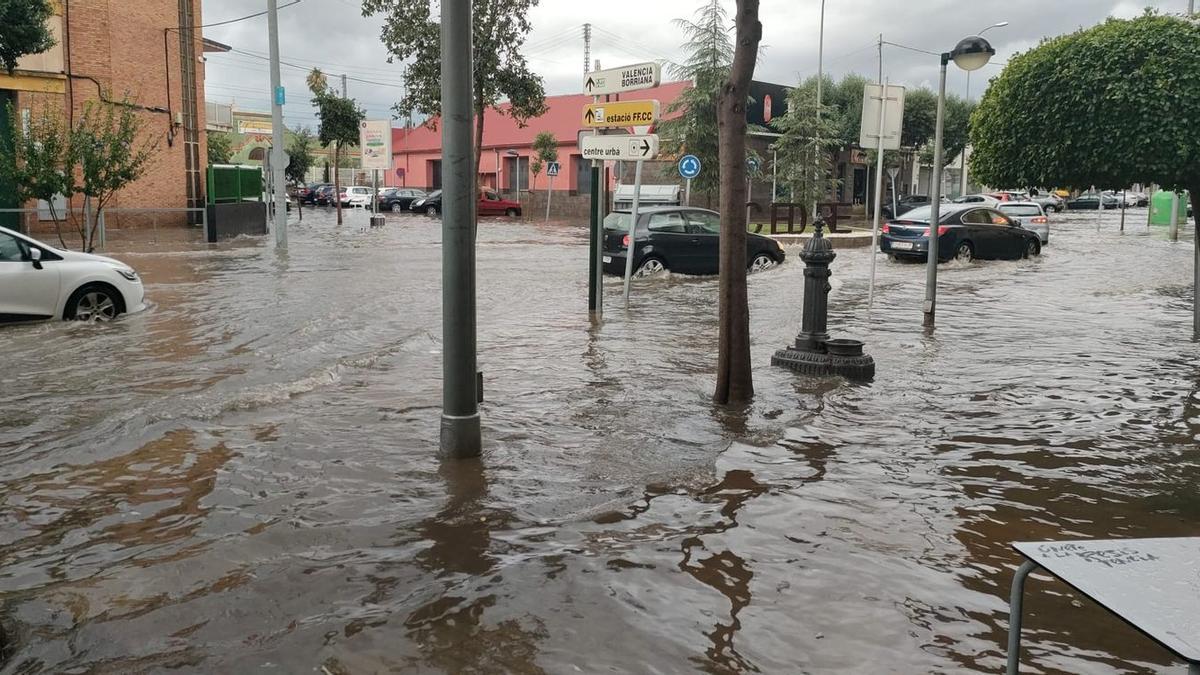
(334, 35)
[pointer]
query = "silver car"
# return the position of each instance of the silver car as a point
(1029, 215)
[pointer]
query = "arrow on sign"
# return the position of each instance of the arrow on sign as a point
(589, 84)
(645, 147)
(589, 116)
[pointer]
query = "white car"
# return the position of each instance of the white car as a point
(986, 200)
(38, 281)
(1029, 215)
(357, 195)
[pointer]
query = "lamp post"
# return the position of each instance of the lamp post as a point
(963, 188)
(971, 53)
(820, 165)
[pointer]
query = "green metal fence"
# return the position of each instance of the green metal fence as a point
(234, 183)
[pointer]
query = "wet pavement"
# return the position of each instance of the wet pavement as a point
(243, 478)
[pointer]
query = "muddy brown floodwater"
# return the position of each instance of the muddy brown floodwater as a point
(243, 477)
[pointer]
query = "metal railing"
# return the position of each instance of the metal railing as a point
(36, 221)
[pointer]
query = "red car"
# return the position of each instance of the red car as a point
(491, 204)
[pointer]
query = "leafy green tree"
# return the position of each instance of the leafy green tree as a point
(300, 155)
(692, 127)
(1051, 115)
(339, 124)
(220, 147)
(413, 37)
(23, 30)
(805, 151)
(39, 161)
(111, 153)
(545, 150)
(956, 131)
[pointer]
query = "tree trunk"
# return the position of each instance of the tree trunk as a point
(735, 383)
(337, 179)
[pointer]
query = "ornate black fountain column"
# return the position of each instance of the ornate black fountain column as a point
(814, 352)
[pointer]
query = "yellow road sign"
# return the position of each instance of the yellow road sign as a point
(620, 114)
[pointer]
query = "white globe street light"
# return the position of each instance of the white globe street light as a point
(971, 53)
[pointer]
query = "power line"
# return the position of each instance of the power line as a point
(243, 18)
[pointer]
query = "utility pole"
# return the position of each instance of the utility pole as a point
(460, 435)
(345, 91)
(279, 186)
(820, 84)
(587, 47)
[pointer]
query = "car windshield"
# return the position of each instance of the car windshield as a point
(617, 221)
(1021, 210)
(435, 193)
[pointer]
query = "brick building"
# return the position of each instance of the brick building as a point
(107, 49)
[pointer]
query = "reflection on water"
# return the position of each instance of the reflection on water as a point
(244, 476)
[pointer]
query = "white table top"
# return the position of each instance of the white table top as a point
(1153, 584)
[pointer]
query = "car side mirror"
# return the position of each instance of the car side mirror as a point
(35, 256)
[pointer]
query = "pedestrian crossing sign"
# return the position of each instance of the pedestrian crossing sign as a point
(552, 169)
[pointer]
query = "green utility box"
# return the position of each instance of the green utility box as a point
(231, 183)
(1160, 208)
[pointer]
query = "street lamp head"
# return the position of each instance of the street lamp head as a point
(972, 53)
(512, 153)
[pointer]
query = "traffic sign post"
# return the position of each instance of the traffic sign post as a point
(626, 78)
(638, 148)
(689, 168)
(551, 171)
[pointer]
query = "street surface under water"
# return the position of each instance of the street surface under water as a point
(243, 478)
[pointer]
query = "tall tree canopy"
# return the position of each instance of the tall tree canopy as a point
(709, 50)
(339, 118)
(1052, 114)
(413, 36)
(23, 30)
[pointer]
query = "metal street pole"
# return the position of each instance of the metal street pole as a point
(935, 203)
(687, 192)
(883, 100)
(279, 186)
(633, 219)
(460, 435)
(1174, 229)
(820, 84)
(1196, 276)
(549, 191)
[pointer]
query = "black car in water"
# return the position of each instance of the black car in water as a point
(399, 199)
(965, 232)
(1087, 202)
(679, 239)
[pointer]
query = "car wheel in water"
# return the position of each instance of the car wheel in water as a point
(431, 211)
(93, 303)
(964, 253)
(1032, 248)
(649, 268)
(511, 213)
(761, 262)
(396, 208)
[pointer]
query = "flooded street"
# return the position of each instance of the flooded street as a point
(243, 478)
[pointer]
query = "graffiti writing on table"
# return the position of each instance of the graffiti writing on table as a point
(1108, 557)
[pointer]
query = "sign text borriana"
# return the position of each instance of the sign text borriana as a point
(626, 78)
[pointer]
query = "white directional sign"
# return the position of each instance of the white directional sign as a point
(630, 148)
(625, 78)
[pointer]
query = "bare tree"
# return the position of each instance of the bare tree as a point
(735, 382)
